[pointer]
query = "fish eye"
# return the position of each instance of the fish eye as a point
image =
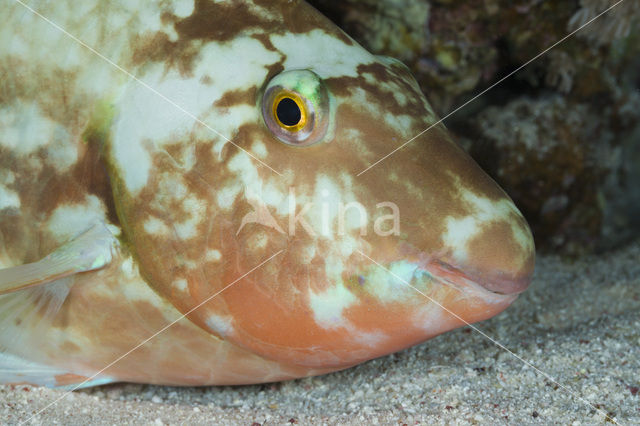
(290, 112)
(295, 107)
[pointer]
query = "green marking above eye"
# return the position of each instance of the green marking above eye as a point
(296, 107)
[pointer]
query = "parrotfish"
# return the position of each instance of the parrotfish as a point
(181, 200)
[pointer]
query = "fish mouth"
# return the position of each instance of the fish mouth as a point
(495, 283)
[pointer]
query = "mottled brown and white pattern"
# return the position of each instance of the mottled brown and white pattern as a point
(82, 143)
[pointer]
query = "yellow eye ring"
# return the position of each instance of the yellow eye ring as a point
(289, 111)
(295, 108)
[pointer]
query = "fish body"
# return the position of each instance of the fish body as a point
(184, 174)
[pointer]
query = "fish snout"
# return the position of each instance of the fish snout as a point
(499, 255)
(504, 283)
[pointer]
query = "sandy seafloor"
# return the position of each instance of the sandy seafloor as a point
(579, 323)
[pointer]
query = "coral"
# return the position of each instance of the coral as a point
(396, 28)
(614, 25)
(561, 71)
(563, 134)
(564, 165)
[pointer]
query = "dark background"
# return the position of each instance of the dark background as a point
(562, 135)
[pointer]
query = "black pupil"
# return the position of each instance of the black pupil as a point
(288, 112)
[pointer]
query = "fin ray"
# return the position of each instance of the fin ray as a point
(91, 250)
(16, 370)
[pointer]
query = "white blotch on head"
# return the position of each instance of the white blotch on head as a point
(371, 339)
(432, 318)
(327, 199)
(325, 54)
(157, 227)
(307, 253)
(274, 197)
(365, 102)
(8, 198)
(375, 109)
(227, 121)
(136, 289)
(25, 130)
(259, 149)
(131, 158)
(147, 122)
(69, 220)
(129, 268)
(400, 97)
(353, 216)
(196, 210)
(183, 8)
(227, 196)
(400, 122)
(347, 245)
(246, 170)
(328, 306)
(334, 266)
(521, 234)
(357, 142)
(213, 256)
(246, 179)
(392, 287)
(460, 231)
(223, 326)
(180, 284)
(171, 186)
(234, 70)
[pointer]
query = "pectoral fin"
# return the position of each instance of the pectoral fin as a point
(17, 370)
(89, 251)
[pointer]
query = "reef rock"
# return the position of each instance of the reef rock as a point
(562, 135)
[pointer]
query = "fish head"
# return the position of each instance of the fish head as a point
(237, 180)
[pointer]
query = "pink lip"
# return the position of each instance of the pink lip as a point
(498, 282)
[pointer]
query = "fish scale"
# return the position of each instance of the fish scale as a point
(148, 145)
